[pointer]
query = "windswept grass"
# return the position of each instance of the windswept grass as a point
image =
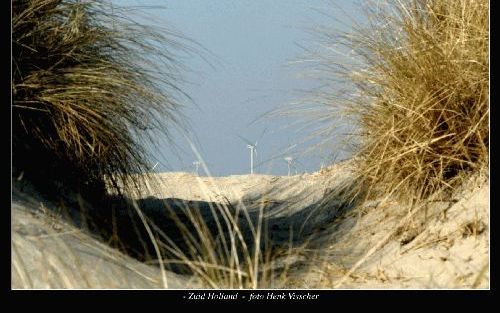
(414, 80)
(221, 244)
(88, 85)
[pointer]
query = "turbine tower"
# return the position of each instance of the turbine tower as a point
(196, 166)
(253, 149)
(289, 161)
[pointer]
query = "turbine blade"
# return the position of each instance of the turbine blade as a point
(262, 135)
(245, 140)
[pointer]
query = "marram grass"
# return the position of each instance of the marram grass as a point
(88, 86)
(420, 74)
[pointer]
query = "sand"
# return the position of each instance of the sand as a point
(446, 248)
(49, 253)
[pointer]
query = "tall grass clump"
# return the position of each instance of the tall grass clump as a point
(88, 87)
(415, 85)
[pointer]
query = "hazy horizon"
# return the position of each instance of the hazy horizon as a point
(249, 46)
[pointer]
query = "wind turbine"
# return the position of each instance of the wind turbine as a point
(253, 148)
(289, 161)
(197, 166)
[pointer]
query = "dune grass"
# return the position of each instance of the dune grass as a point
(413, 78)
(411, 81)
(85, 95)
(88, 87)
(218, 242)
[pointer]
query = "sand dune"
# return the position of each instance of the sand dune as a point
(447, 249)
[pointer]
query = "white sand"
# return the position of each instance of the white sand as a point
(48, 253)
(449, 250)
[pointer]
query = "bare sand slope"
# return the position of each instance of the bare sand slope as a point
(50, 253)
(292, 207)
(442, 245)
(374, 245)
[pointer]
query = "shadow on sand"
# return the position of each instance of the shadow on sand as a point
(185, 229)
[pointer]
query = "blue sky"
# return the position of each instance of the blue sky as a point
(250, 45)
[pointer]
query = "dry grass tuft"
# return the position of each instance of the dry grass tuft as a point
(218, 243)
(88, 87)
(420, 74)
